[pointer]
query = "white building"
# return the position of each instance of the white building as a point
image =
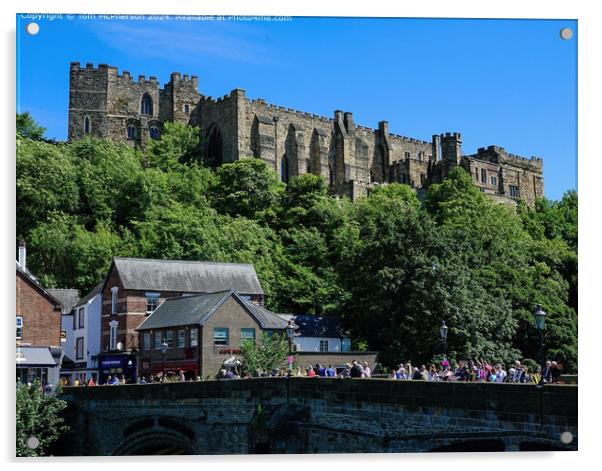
(81, 331)
(319, 334)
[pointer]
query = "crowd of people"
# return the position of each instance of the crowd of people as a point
(477, 370)
(472, 370)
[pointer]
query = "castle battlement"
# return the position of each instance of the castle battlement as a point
(107, 103)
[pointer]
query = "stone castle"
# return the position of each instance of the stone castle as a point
(353, 159)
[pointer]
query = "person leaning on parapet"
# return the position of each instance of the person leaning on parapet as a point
(367, 373)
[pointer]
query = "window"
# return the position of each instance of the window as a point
(19, 327)
(476, 173)
(220, 336)
(80, 318)
(187, 109)
(79, 348)
(73, 313)
(169, 338)
(406, 155)
(87, 125)
(323, 345)
(131, 131)
(514, 193)
(114, 291)
(152, 299)
(483, 175)
(247, 334)
(158, 340)
(181, 338)
(494, 181)
(154, 133)
(146, 105)
(146, 338)
(113, 335)
(194, 337)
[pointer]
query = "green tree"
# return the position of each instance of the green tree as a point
(179, 144)
(28, 128)
(38, 416)
(247, 188)
(267, 356)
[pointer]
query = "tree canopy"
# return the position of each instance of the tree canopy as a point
(391, 265)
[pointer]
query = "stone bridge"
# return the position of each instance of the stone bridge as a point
(318, 415)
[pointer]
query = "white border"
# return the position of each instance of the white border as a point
(590, 81)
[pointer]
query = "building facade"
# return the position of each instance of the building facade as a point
(201, 333)
(352, 158)
(134, 288)
(81, 330)
(38, 328)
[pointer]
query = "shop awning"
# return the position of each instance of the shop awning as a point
(28, 357)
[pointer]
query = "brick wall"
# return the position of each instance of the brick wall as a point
(41, 319)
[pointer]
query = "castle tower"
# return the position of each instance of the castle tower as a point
(451, 150)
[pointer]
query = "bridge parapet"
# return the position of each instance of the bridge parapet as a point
(308, 415)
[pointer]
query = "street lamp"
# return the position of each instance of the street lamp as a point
(539, 316)
(443, 332)
(163, 353)
(290, 334)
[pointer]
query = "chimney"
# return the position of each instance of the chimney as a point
(22, 254)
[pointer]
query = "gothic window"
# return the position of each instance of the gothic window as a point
(131, 131)
(87, 125)
(214, 147)
(284, 170)
(146, 105)
(154, 132)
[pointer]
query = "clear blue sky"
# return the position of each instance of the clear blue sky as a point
(511, 83)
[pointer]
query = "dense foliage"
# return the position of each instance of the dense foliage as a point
(267, 356)
(390, 265)
(38, 420)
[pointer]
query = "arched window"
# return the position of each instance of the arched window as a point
(146, 105)
(284, 169)
(131, 131)
(214, 147)
(87, 125)
(154, 132)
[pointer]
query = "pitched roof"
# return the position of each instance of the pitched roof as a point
(187, 276)
(197, 309)
(36, 284)
(317, 326)
(67, 297)
(96, 290)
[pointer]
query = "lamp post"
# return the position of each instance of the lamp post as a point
(290, 334)
(539, 316)
(443, 333)
(163, 353)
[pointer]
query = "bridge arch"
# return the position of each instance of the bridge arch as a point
(160, 436)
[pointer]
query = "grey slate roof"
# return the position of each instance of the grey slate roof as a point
(187, 276)
(96, 290)
(188, 310)
(67, 297)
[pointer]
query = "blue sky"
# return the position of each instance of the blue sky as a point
(511, 83)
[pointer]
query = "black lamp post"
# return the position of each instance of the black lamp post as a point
(443, 332)
(539, 316)
(290, 334)
(163, 353)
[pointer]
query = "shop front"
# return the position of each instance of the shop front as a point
(117, 365)
(36, 364)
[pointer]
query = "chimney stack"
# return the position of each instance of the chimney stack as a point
(22, 254)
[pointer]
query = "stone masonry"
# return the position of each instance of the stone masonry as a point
(352, 158)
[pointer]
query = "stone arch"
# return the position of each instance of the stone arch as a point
(162, 436)
(214, 154)
(146, 104)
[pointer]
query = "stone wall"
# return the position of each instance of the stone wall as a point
(305, 415)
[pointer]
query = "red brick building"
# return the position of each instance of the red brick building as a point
(134, 288)
(38, 327)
